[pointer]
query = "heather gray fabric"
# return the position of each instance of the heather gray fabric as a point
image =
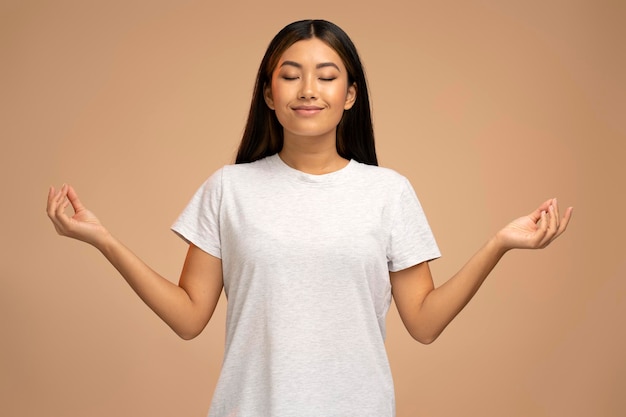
(306, 262)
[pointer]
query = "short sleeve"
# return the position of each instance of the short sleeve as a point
(199, 221)
(411, 240)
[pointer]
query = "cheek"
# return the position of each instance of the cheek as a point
(337, 94)
(280, 92)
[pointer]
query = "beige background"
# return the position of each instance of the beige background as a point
(488, 108)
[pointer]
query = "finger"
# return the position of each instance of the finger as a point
(53, 209)
(557, 216)
(74, 200)
(565, 220)
(536, 215)
(552, 227)
(552, 221)
(562, 222)
(49, 201)
(61, 204)
(60, 195)
(542, 230)
(555, 203)
(54, 199)
(51, 193)
(64, 205)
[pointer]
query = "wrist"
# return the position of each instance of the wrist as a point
(104, 242)
(498, 245)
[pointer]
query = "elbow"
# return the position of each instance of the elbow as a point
(425, 337)
(187, 333)
(426, 340)
(189, 326)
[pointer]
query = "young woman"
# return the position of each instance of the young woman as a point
(310, 240)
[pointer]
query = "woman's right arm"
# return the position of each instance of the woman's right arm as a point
(186, 307)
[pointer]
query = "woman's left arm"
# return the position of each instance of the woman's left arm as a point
(426, 310)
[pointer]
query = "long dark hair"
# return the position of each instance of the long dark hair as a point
(263, 135)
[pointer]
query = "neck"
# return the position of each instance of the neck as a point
(312, 155)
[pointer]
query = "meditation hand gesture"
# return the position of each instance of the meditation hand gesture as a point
(83, 225)
(536, 230)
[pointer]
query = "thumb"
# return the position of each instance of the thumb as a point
(74, 200)
(543, 208)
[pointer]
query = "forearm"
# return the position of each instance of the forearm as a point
(427, 311)
(168, 300)
(442, 304)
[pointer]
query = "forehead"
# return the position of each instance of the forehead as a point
(311, 52)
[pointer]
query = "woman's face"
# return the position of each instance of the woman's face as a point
(309, 90)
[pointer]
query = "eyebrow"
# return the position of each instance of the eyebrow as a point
(318, 66)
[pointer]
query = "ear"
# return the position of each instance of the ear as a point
(350, 97)
(267, 95)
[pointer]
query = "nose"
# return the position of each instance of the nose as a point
(308, 88)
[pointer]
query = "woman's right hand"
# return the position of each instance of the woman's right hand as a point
(83, 225)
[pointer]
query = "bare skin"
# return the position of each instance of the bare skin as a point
(186, 307)
(307, 102)
(426, 311)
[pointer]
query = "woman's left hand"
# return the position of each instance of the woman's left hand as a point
(536, 230)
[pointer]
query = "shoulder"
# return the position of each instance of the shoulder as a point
(244, 176)
(378, 170)
(232, 173)
(381, 176)
(246, 169)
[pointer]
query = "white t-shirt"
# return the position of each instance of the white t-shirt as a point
(306, 261)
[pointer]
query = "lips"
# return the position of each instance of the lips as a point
(307, 110)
